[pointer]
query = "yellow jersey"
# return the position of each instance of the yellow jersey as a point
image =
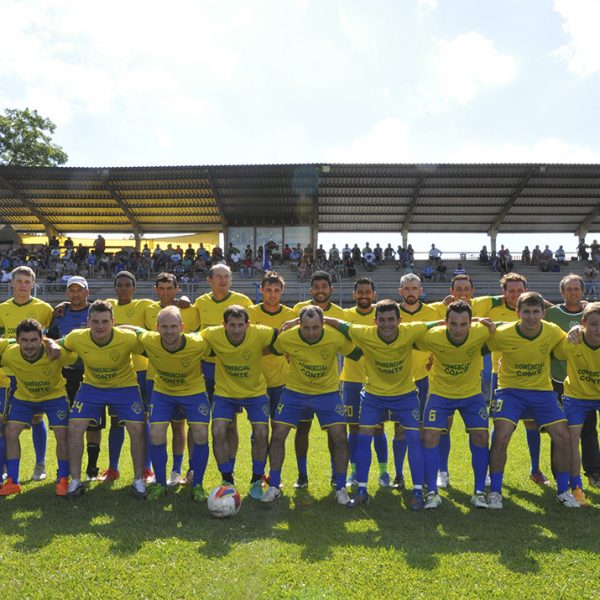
(583, 369)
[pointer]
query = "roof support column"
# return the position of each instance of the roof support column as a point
(404, 238)
(493, 233)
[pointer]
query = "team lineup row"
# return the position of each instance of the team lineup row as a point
(280, 365)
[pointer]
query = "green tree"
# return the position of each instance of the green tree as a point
(26, 140)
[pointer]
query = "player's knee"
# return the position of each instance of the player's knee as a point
(479, 438)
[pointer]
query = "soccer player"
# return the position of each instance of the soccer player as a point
(40, 389)
(581, 387)
(312, 384)
(178, 384)
(320, 291)
(353, 376)
(455, 384)
(524, 385)
(211, 307)
(389, 389)
(240, 384)
(73, 315)
(167, 288)
(272, 313)
(109, 379)
(412, 310)
(24, 306)
(567, 315)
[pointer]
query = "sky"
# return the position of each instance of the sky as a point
(133, 83)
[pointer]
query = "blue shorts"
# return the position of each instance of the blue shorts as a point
(576, 410)
(527, 413)
(351, 394)
(510, 404)
(472, 410)
(329, 408)
(403, 409)
(23, 411)
(274, 394)
(257, 408)
(422, 392)
(3, 403)
(178, 414)
(125, 403)
(195, 407)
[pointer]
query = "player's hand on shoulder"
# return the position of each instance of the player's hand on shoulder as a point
(59, 309)
(574, 334)
(184, 302)
(52, 348)
(289, 324)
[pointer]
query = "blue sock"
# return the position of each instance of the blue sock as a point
(562, 481)
(148, 464)
(444, 450)
(116, 437)
(258, 466)
(415, 457)
(576, 482)
(301, 462)
(39, 434)
(352, 448)
(533, 442)
(480, 459)
(12, 469)
(381, 448)
(199, 462)
(432, 464)
(63, 468)
(2, 453)
(226, 467)
(340, 481)
(158, 453)
(496, 481)
(178, 462)
(274, 478)
(399, 449)
(363, 458)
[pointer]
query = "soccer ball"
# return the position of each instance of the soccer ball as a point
(224, 501)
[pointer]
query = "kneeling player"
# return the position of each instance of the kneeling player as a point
(40, 389)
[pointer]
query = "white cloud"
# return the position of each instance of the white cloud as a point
(425, 7)
(465, 65)
(580, 23)
(386, 142)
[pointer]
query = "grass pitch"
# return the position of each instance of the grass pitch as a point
(109, 545)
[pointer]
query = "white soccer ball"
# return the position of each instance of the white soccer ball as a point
(224, 501)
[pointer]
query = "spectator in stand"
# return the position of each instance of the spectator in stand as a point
(248, 251)
(190, 253)
(590, 275)
(411, 254)
(54, 243)
(68, 244)
(349, 266)
(285, 253)
(203, 253)
(295, 258)
(389, 254)
(199, 266)
(426, 272)
(560, 255)
(595, 252)
(356, 254)
(378, 251)
(235, 259)
(582, 253)
(217, 255)
(440, 271)
(321, 254)
(188, 264)
(536, 256)
(368, 259)
(435, 254)
(366, 249)
(247, 266)
(526, 255)
(334, 254)
(460, 270)
(484, 259)
(81, 254)
(302, 270)
(99, 245)
(546, 259)
(346, 251)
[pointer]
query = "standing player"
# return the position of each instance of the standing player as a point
(353, 376)
(240, 384)
(524, 385)
(40, 389)
(312, 384)
(109, 379)
(167, 288)
(567, 315)
(74, 315)
(320, 291)
(455, 384)
(24, 306)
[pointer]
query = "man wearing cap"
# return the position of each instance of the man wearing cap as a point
(73, 315)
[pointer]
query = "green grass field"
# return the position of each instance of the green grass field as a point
(107, 544)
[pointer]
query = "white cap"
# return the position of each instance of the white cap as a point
(79, 281)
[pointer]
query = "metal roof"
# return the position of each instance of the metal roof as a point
(334, 197)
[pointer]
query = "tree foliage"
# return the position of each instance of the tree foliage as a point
(26, 140)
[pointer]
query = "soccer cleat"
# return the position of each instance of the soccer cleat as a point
(156, 492)
(443, 479)
(9, 488)
(539, 478)
(361, 499)
(416, 502)
(91, 474)
(174, 479)
(149, 476)
(567, 500)
(198, 494)
(75, 489)
(138, 489)
(271, 494)
(256, 489)
(189, 477)
(385, 480)
(301, 482)
(579, 495)
(62, 486)
(341, 497)
(398, 482)
(432, 501)
(351, 480)
(495, 500)
(478, 500)
(110, 475)
(39, 472)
